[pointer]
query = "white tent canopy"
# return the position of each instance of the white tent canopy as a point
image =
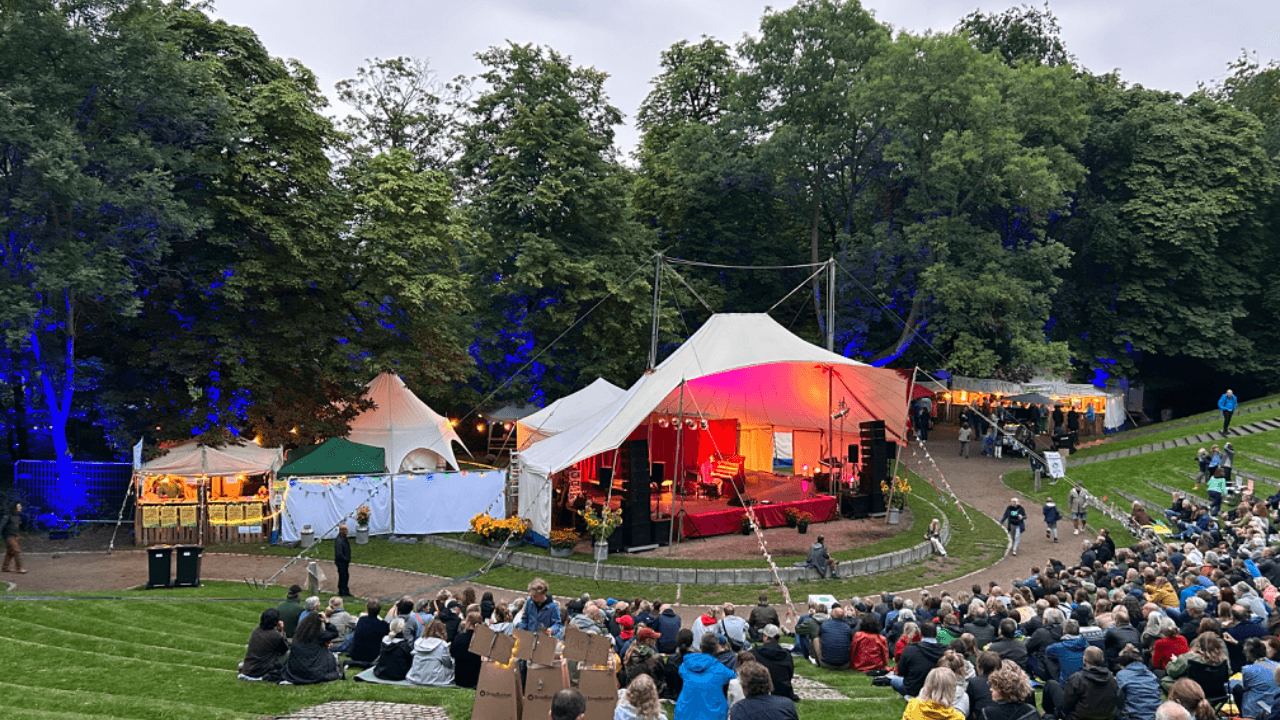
(741, 366)
(566, 412)
(415, 437)
(191, 459)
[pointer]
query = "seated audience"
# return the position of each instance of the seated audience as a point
(639, 701)
(432, 664)
(466, 664)
(833, 642)
(1138, 687)
(366, 641)
(704, 679)
(1190, 696)
(291, 610)
(936, 698)
(870, 650)
(777, 660)
(396, 655)
(760, 702)
(268, 647)
(1010, 687)
(684, 647)
(310, 661)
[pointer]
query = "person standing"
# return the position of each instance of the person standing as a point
(1227, 406)
(966, 434)
(1217, 488)
(1078, 506)
(1228, 460)
(12, 550)
(1202, 461)
(342, 558)
(1015, 519)
(1051, 518)
(1058, 419)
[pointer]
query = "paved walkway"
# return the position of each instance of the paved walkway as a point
(1201, 439)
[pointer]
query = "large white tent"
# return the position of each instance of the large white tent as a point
(415, 437)
(191, 459)
(741, 366)
(566, 412)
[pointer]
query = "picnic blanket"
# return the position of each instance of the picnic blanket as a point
(369, 677)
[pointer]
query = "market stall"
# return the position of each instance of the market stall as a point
(200, 494)
(1104, 405)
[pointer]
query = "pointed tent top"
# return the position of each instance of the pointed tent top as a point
(401, 423)
(566, 412)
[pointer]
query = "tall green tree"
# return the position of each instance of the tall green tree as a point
(101, 124)
(1020, 35)
(548, 194)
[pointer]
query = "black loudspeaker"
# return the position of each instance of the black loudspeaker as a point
(855, 506)
(853, 453)
(604, 478)
(635, 508)
(661, 532)
(657, 473)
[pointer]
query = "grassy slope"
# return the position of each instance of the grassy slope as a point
(969, 551)
(1209, 421)
(1132, 473)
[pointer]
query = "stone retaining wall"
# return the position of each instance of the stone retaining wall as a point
(665, 575)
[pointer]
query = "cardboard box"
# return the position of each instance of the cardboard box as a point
(482, 642)
(498, 695)
(544, 653)
(525, 641)
(598, 649)
(601, 690)
(503, 644)
(540, 685)
(576, 643)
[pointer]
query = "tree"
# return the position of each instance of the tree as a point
(558, 239)
(100, 122)
(400, 104)
(1020, 35)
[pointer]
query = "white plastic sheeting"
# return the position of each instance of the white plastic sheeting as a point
(191, 459)
(420, 504)
(400, 423)
(742, 366)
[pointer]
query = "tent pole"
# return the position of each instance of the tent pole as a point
(657, 286)
(831, 305)
(831, 378)
(677, 478)
(897, 457)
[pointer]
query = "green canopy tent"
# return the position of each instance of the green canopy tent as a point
(335, 457)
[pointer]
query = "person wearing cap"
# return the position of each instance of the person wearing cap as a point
(777, 660)
(1015, 519)
(641, 658)
(291, 610)
(626, 634)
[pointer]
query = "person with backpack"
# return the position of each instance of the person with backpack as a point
(1015, 519)
(1051, 518)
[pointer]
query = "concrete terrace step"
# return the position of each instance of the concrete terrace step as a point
(1262, 460)
(1174, 424)
(1208, 438)
(1170, 489)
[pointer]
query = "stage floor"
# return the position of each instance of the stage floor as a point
(773, 494)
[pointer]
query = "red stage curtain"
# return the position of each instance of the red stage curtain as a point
(730, 521)
(699, 444)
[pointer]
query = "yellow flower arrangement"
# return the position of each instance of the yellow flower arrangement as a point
(563, 539)
(901, 486)
(490, 528)
(602, 524)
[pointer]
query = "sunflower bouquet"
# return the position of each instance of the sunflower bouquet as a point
(495, 530)
(600, 525)
(900, 489)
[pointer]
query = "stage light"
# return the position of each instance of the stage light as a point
(663, 422)
(840, 414)
(691, 424)
(479, 427)
(705, 424)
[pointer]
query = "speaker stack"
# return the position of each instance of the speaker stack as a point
(637, 529)
(875, 452)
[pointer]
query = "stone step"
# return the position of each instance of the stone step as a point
(1169, 489)
(1261, 459)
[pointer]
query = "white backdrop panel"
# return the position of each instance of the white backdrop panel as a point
(309, 502)
(445, 502)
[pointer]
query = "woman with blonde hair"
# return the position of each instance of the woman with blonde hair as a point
(1189, 695)
(936, 700)
(910, 636)
(639, 701)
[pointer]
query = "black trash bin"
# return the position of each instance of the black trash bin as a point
(188, 573)
(158, 566)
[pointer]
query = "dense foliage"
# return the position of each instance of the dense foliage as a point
(193, 246)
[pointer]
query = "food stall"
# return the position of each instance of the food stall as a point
(986, 394)
(199, 494)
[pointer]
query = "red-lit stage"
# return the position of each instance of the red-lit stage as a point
(773, 494)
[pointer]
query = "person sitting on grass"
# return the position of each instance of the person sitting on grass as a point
(290, 610)
(432, 664)
(396, 656)
(759, 700)
(642, 659)
(639, 701)
(936, 699)
(466, 664)
(870, 651)
(702, 695)
(834, 641)
(366, 640)
(674, 683)
(777, 660)
(264, 659)
(310, 660)
(568, 704)
(1010, 689)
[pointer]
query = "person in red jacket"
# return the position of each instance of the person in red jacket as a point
(869, 652)
(1170, 645)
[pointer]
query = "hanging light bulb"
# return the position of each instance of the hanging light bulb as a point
(663, 422)
(705, 424)
(691, 424)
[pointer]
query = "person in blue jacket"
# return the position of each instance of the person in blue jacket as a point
(1051, 518)
(702, 696)
(1015, 519)
(1227, 406)
(541, 613)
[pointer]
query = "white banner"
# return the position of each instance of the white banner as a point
(1053, 459)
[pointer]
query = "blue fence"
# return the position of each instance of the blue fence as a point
(105, 486)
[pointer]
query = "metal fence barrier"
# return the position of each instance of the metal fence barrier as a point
(105, 486)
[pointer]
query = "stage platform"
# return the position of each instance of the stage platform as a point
(773, 494)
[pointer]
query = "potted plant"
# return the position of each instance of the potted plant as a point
(791, 514)
(802, 522)
(746, 525)
(562, 542)
(497, 532)
(600, 525)
(897, 499)
(362, 525)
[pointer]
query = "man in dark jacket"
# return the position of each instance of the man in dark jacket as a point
(1119, 635)
(916, 662)
(1048, 634)
(1090, 694)
(290, 610)
(834, 641)
(761, 615)
(979, 627)
(777, 660)
(819, 559)
(668, 627)
(342, 558)
(1007, 646)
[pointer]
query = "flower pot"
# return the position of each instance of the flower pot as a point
(804, 529)
(561, 552)
(895, 516)
(495, 542)
(602, 551)
(746, 529)
(362, 534)
(791, 522)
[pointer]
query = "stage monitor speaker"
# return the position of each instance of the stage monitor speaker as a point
(660, 532)
(853, 453)
(855, 506)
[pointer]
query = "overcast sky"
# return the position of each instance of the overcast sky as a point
(1166, 44)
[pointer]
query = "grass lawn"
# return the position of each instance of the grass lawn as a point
(1131, 474)
(176, 659)
(968, 551)
(1208, 422)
